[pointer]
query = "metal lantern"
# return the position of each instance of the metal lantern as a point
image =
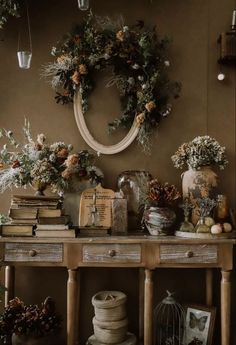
(169, 322)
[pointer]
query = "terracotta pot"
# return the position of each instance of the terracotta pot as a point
(159, 220)
(197, 184)
(50, 339)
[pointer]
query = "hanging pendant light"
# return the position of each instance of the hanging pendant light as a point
(83, 5)
(25, 56)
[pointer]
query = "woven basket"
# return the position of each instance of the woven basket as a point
(110, 332)
(109, 305)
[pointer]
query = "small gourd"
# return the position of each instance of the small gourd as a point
(227, 227)
(216, 229)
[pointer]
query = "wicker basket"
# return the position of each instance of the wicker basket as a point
(109, 305)
(110, 332)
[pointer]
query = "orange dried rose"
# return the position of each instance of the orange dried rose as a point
(83, 69)
(120, 35)
(1, 165)
(150, 106)
(61, 58)
(140, 118)
(66, 174)
(76, 77)
(72, 160)
(63, 153)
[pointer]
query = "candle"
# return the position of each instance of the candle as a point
(234, 19)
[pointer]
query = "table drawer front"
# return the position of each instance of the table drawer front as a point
(112, 253)
(33, 252)
(194, 254)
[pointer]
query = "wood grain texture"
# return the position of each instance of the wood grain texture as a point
(33, 252)
(209, 286)
(112, 253)
(188, 253)
(148, 307)
(9, 283)
(225, 307)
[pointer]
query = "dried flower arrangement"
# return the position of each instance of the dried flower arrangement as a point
(161, 195)
(8, 8)
(20, 319)
(201, 151)
(139, 65)
(35, 162)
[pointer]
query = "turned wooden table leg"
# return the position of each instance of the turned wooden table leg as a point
(225, 307)
(209, 286)
(148, 307)
(72, 307)
(141, 303)
(9, 283)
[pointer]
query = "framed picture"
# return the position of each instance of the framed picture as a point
(199, 325)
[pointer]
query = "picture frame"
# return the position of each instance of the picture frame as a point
(199, 324)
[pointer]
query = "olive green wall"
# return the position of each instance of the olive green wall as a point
(205, 106)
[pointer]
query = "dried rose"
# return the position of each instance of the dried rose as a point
(140, 118)
(62, 58)
(63, 153)
(72, 160)
(76, 77)
(83, 69)
(66, 174)
(120, 35)
(1, 165)
(150, 106)
(15, 164)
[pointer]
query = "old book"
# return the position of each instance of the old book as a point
(16, 230)
(23, 213)
(55, 233)
(100, 231)
(54, 220)
(24, 221)
(52, 227)
(45, 212)
(21, 201)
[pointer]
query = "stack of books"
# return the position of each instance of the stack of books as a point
(53, 223)
(45, 213)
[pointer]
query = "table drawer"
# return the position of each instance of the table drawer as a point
(33, 252)
(179, 253)
(112, 253)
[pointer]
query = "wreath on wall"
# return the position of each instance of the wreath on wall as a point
(139, 63)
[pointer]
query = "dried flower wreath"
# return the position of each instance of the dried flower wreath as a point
(139, 65)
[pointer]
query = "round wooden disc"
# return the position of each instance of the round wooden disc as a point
(130, 340)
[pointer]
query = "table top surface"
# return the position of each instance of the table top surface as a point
(121, 239)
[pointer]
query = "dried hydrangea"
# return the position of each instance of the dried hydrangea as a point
(201, 151)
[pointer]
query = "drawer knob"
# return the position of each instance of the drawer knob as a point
(189, 254)
(112, 253)
(32, 252)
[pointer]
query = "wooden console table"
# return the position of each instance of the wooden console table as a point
(144, 252)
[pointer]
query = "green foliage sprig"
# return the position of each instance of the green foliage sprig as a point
(139, 63)
(8, 8)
